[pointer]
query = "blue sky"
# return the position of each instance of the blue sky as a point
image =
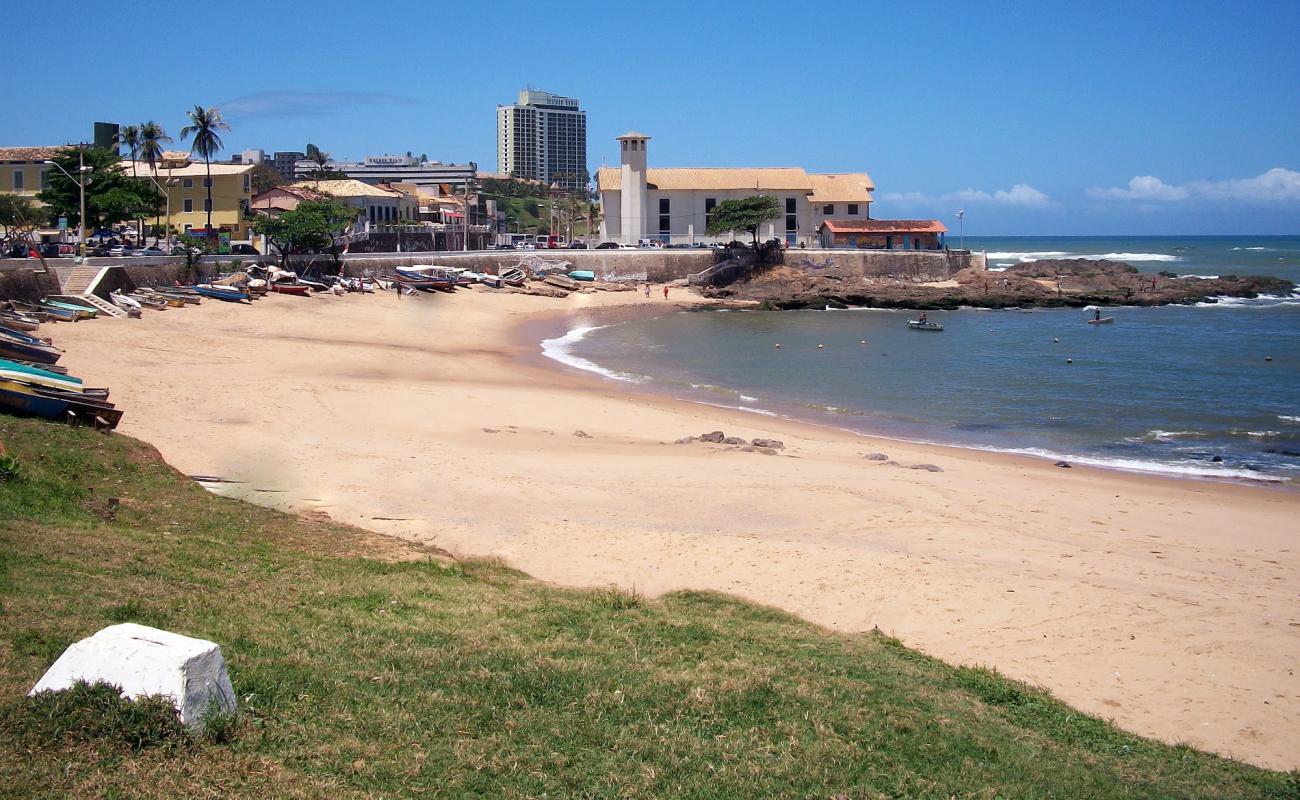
(1042, 118)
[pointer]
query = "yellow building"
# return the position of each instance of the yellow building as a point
(23, 169)
(185, 182)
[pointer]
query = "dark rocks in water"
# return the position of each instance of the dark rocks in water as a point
(715, 437)
(773, 444)
(734, 440)
(1063, 464)
(582, 434)
(1217, 459)
(876, 457)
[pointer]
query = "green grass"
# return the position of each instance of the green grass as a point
(366, 667)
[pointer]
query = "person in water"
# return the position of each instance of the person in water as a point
(1096, 314)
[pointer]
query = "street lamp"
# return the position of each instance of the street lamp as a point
(961, 228)
(167, 194)
(82, 169)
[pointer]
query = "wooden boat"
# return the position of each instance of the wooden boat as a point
(918, 325)
(28, 348)
(561, 281)
(76, 407)
(434, 277)
(1102, 321)
(78, 311)
(300, 289)
(152, 302)
(582, 275)
(20, 322)
(47, 367)
(22, 336)
(16, 371)
(226, 293)
(511, 276)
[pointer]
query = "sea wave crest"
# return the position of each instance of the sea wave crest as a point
(1035, 255)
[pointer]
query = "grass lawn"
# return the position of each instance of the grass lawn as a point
(366, 667)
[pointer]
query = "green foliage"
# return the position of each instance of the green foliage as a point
(96, 714)
(10, 471)
(745, 214)
(112, 195)
(309, 228)
(264, 178)
(205, 126)
(20, 218)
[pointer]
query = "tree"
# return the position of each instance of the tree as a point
(312, 227)
(21, 218)
(129, 137)
(152, 137)
(745, 214)
(112, 196)
(204, 126)
(264, 177)
(322, 172)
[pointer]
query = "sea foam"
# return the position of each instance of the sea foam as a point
(561, 349)
(1028, 256)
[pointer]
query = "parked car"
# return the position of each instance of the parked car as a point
(66, 249)
(244, 250)
(119, 250)
(607, 246)
(50, 249)
(152, 250)
(577, 245)
(627, 247)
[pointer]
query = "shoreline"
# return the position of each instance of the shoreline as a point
(423, 418)
(533, 335)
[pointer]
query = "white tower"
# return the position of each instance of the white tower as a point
(633, 195)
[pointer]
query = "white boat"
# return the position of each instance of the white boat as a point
(1102, 321)
(918, 325)
(130, 305)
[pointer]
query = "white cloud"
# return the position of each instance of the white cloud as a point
(1276, 185)
(1022, 195)
(292, 103)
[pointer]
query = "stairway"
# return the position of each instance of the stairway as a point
(81, 279)
(103, 305)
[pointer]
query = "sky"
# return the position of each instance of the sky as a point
(1048, 118)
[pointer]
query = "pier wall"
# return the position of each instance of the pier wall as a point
(914, 265)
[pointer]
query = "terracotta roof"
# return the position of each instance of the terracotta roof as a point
(300, 192)
(347, 187)
(30, 153)
(884, 226)
(850, 187)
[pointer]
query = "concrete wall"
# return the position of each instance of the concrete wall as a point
(906, 264)
(609, 265)
(27, 285)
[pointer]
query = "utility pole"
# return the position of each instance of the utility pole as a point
(961, 223)
(468, 181)
(81, 173)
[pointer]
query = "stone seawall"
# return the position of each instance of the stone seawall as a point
(609, 265)
(27, 284)
(914, 265)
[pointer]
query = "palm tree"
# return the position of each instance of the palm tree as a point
(204, 124)
(321, 158)
(152, 137)
(129, 137)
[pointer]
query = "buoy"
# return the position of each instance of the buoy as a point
(864, 341)
(1069, 360)
(778, 345)
(820, 346)
(1056, 341)
(1268, 358)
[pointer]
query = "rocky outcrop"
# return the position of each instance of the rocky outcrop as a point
(1042, 284)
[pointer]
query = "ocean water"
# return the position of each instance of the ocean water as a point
(1184, 255)
(1184, 390)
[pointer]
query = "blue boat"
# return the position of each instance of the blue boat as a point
(28, 349)
(23, 399)
(12, 370)
(582, 275)
(227, 293)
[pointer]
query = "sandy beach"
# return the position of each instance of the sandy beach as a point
(1169, 606)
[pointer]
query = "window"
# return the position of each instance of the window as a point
(18, 179)
(207, 183)
(187, 183)
(247, 183)
(710, 203)
(791, 218)
(853, 209)
(189, 205)
(45, 179)
(207, 204)
(665, 216)
(789, 205)
(828, 209)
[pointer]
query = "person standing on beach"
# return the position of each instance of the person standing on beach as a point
(665, 291)
(647, 290)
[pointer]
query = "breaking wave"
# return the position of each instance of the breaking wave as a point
(560, 349)
(1025, 257)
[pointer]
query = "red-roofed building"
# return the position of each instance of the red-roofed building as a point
(883, 234)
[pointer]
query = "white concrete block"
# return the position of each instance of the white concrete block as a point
(146, 661)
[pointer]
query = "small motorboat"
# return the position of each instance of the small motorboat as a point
(16, 321)
(582, 275)
(918, 325)
(77, 310)
(1102, 321)
(299, 289)
(28, 348)
(511, 276)
(130, 305)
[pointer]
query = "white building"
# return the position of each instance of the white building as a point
(672, 204)
(396, 169)
(543, 137)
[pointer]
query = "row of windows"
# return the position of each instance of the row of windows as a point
(828, 210)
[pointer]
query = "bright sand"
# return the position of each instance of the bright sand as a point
(1169, 606)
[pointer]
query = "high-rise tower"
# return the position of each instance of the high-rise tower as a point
(543, 137)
